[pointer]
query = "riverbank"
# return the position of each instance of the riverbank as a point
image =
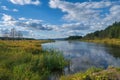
(114, 42)
(111, 73)
(95, 74)
(25, 60)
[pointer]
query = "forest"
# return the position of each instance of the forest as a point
(112, 31)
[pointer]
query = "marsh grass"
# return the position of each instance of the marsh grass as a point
(25, 60)
(112, 41)
(95, 74)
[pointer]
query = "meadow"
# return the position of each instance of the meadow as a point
(25, 60)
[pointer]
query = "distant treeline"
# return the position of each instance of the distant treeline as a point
(112, 31)
(74, 38)
(9, 38)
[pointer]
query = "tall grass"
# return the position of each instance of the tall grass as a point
(25, 60)
(95, 74)
(114, 42)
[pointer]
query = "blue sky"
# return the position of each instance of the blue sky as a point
(57, 18)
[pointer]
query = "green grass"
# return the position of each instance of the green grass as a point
(25, 60)
(95, 74)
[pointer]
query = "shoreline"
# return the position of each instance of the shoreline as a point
(107, 41)
(111, 73)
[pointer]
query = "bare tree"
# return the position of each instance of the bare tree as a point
(19, 34)
(13, 33)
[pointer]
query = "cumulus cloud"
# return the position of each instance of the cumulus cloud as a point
(22, 18)
(29, 27)
(15, 10)
(25, 2)
(35, 24)
(7, 18)
(75, 26)
(4, 8)
(7, 9)
(80, 18)
(88, 15)
(74, 32)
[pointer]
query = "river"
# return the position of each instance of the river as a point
(84, 55)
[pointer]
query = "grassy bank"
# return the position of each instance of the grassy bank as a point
(108, 41)
(95, 74)
(25, 60)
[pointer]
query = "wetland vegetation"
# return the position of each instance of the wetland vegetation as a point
(25, 60)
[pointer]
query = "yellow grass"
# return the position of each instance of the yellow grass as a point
(24, 44)
(25, 60)
(106, 41)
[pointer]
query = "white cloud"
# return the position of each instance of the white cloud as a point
(39, 28)
(15, 10)
(80, 18)
(25, 2)
(29, 27)
(75, 32)
(92, 15)
(22, 18)
(7, 18)
(75, 26)
(5, 8)
(80, 11)
(24, 22)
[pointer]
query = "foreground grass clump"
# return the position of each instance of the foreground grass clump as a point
(95, 74)
(25, 60)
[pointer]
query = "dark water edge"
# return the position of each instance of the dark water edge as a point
(84, 55)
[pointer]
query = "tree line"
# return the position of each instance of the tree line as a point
(112, 31)
(74, 38)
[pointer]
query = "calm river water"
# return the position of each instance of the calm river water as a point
(84, 55)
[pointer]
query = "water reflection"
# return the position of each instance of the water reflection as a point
(84, 55)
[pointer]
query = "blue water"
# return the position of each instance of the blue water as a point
(84, 55)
